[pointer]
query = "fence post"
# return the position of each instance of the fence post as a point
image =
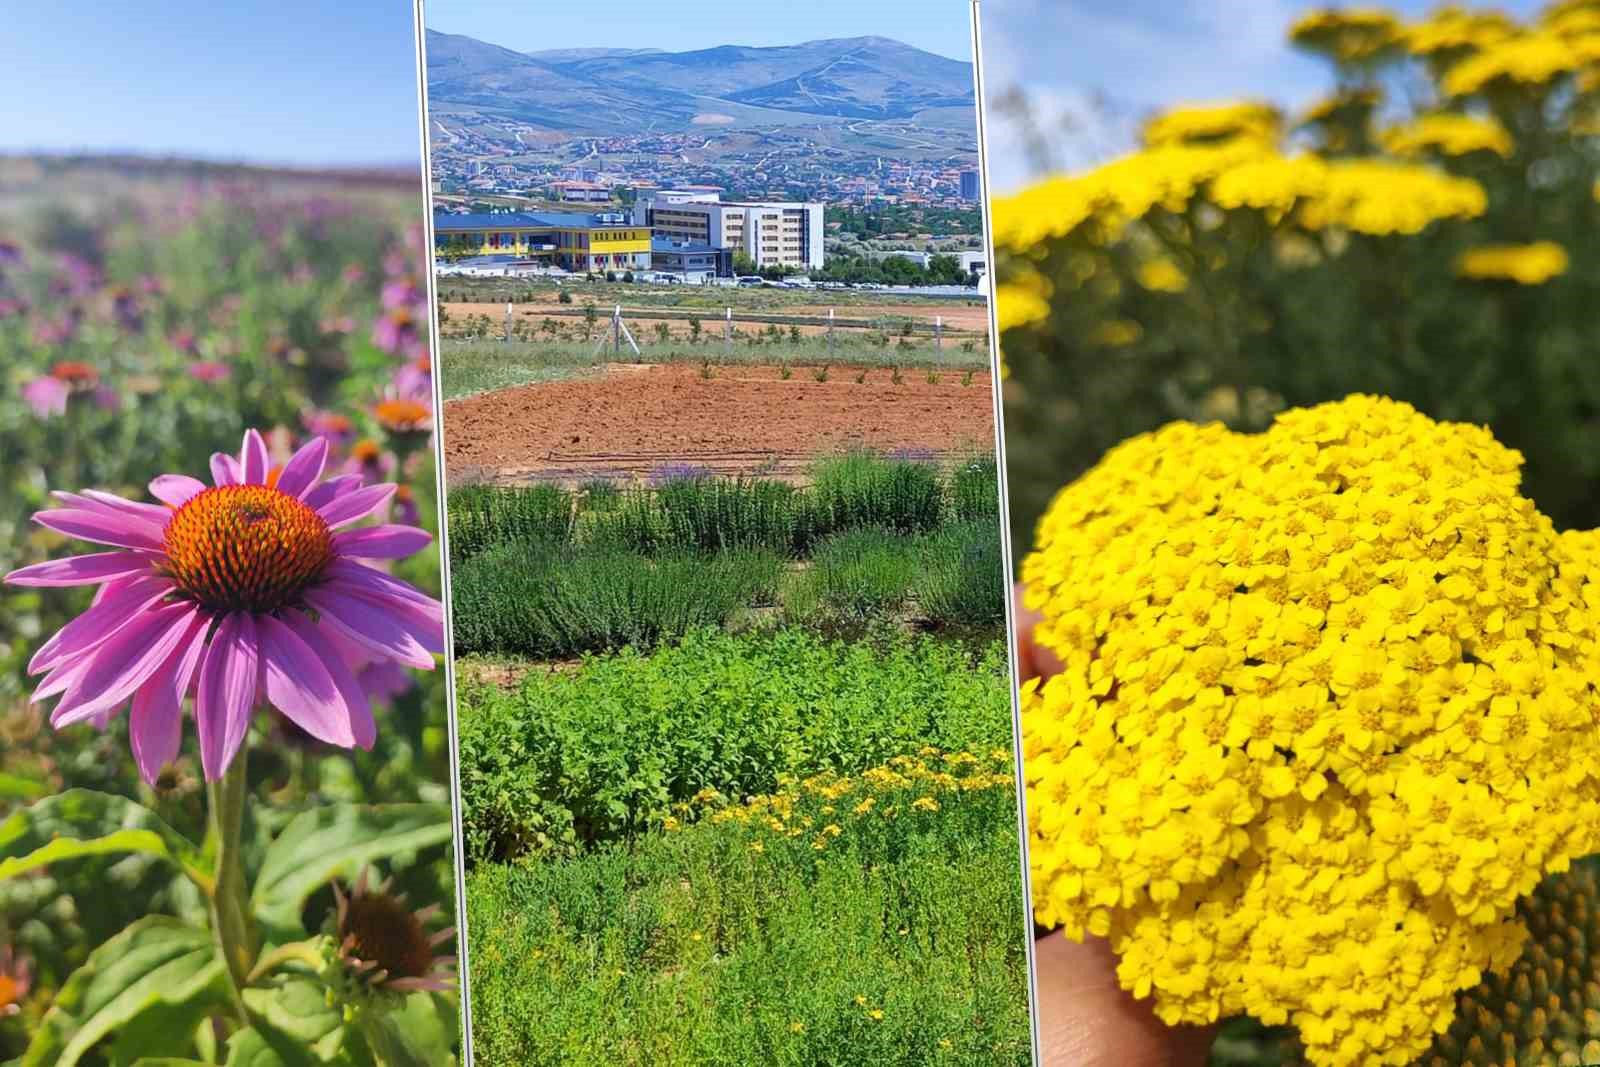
(508, 322)
(830, 331)
(727, 332)
(938, 333)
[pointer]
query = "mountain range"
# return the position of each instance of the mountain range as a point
(601, 91)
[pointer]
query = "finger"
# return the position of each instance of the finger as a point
(1087, 1020)
(1033, 660)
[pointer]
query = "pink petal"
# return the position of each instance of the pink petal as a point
(343, 510)
(299, 685)
(304, 467)
(227, 693)
(333, 487)
(253, 458)
(157, 515)
(425, 622)
(370, 625)
(123, 531)
(379, 583)
(115, 610)
(176, 489)
(225, 469)
(83, 570)
(382, 542)
(155, 726)
(363, 728)
(123, 663)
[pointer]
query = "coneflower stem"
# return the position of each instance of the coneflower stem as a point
(231, 923)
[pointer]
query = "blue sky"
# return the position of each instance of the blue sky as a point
(303, 82)
(939, 26)
(1141, 54)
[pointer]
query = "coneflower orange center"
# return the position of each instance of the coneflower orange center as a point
(384, 931)
(402, 415)
(10, 990)
(246, 547)
(74, 373)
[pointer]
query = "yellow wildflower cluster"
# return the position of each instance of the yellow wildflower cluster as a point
(1533, 59)
(1530, 264)
(1449, 134)
(1366, 195)
(1115, 333)
(1326, 713)
(1203, 124)
(1022, 300)
(1453, 31)
(1369, 196)
(1348, 35)
(822, 806)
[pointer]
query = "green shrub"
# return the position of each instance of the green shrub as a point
(975, 491)
(863, 574)
(484, 517)
(599, 494)
(861, 489)
(575, 758)
(711, 514)
(960, 575)
(535, 601)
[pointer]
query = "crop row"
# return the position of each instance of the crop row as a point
(688, 511)
(555, 601)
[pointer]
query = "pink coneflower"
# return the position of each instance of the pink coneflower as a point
(355, 273)
(336, 427)
(57, 331)
(415, 379)
(370, 462)
(398, 332)
(185, 342)
(386, 945)
(405, 507)
(12, 307)
(229, 591)
(46, 396)
(210, 371)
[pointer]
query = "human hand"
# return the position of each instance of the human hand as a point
(1086, 1019)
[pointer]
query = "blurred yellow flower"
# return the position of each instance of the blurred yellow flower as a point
(1349, 35)
(1162, 276)
(1115, 333)
(1022, 301)
(1530, 264)
(1449, 134)
(1202, 124)
(1453, 30)
(1528, 59)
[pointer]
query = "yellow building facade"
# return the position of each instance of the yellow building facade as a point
(573, 242)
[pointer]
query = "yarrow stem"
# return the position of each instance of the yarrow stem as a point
(232, 924)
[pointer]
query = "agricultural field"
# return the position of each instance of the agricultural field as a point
(736, 763)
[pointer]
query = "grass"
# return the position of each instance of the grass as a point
(574, 759)
(467, 368)
(484, 517)
(895, 937)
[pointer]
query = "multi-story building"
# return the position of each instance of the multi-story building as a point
(599, 242)
(581, 192)
(775, 234)
(969, 185)
(695, 260)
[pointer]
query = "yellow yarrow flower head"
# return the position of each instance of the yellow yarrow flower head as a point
(1348, 35)
(1325, 715)
(1530, 264)
(1450, 135)
(1525, 61)
(1211, 124)
(1452, 32)
(1162, 276)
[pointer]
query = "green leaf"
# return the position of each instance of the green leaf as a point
(421, 1033)
(263, 1045)
(16, 787)
(333, 841)
(299, 1008)
(82, 822)
(155, 963)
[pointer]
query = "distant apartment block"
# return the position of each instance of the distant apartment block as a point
(580, 192)
(969, 185)
(774, 234)
(695, 260)
(575, 242)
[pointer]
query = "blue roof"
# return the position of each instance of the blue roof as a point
(502, 220)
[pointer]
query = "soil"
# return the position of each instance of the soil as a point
(634, 418)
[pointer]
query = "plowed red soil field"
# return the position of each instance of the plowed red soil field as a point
(634, 419)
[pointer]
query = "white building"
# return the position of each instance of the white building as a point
(783, 234)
